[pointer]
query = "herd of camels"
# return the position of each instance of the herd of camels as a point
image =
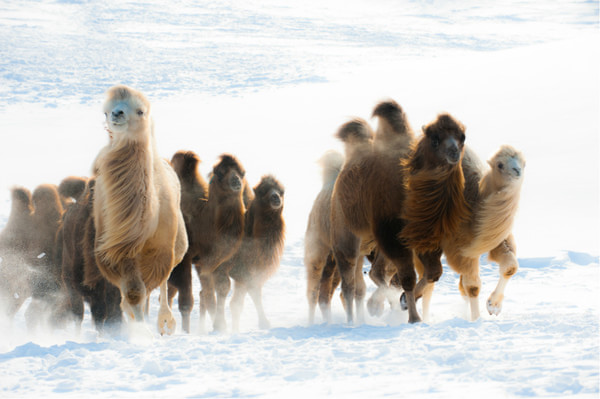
(140, 223)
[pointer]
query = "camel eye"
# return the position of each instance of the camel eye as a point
(435, 141)
(462, 137)
(140, 112)
(500, 165)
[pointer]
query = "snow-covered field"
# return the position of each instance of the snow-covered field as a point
(270, 81)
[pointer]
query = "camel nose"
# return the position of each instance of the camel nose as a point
(235, 183)
(517, 171)
(275, 200)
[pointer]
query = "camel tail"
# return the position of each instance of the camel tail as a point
(331, 164)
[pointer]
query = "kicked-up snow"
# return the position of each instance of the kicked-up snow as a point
(270, 82)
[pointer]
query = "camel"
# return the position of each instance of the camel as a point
(140, 231)
(258, 257)
(435, 204)
(15, 247)
(220, 238)
(383, 274)
(368, 199)
(80, 274)
(321, 271)
(214, 216)
(493, 195)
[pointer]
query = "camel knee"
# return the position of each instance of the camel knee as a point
(510, 271)
(135, 291)
(472, 291)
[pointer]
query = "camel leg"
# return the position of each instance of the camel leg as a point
(237, 304)
(327, 286)
(133, 291)
(375, 304)
(360, 290)
(180, 282)
(256, 295)
(166, 322)
(222, 286)
(387, 233)
(505, 256)
(471, 285)
(208, 302)
(346, 250)
(427, 291)
(314, 261)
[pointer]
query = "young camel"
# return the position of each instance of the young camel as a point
(259, 255)
(368, 198)
(494, 198)
(140, 231)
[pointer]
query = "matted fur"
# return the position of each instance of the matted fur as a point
(129, 214)
(435, 205)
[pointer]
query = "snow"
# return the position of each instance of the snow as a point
(270, 82)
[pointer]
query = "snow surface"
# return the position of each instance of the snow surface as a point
(270, 81)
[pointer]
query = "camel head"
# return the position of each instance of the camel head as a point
(270, 193)
(507, 165)
(126, 113)
(444, 140)
(228, 174)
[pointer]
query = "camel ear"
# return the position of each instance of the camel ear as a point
(424, 129)
(489, 161)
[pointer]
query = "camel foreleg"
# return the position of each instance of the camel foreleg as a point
(166, 322)
(256, 295)
(505, 255)
(237, 304)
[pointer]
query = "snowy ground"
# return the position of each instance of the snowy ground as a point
(270, 82)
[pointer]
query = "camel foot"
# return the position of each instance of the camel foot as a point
(264, 324)
(494, 308)
(166, 323)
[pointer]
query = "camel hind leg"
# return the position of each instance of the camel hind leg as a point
(330, 279)
(505, 255)
(346, 252)
(315, 262)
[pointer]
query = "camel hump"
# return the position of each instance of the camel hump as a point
(331, 164)
(356, 130)
(72, 186)
(185, 163)
(21, 196)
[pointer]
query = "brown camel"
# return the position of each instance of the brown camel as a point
(260, 253)
(367, 201)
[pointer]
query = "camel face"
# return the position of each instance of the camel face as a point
(508, 165)
(275, 199)
(126, 112)
(447, 139)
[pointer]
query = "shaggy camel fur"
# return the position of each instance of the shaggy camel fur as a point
(318, 256)
(494, 199)
(80, 274)
(367, 201)
(15, 247)
(140, 231)
(435, 205)
(259, 255)
(194, 197)
(220, 232)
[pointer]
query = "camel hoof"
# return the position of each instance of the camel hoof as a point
(166, 324)
(375, 307)
(403, 304)
(494, 309)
